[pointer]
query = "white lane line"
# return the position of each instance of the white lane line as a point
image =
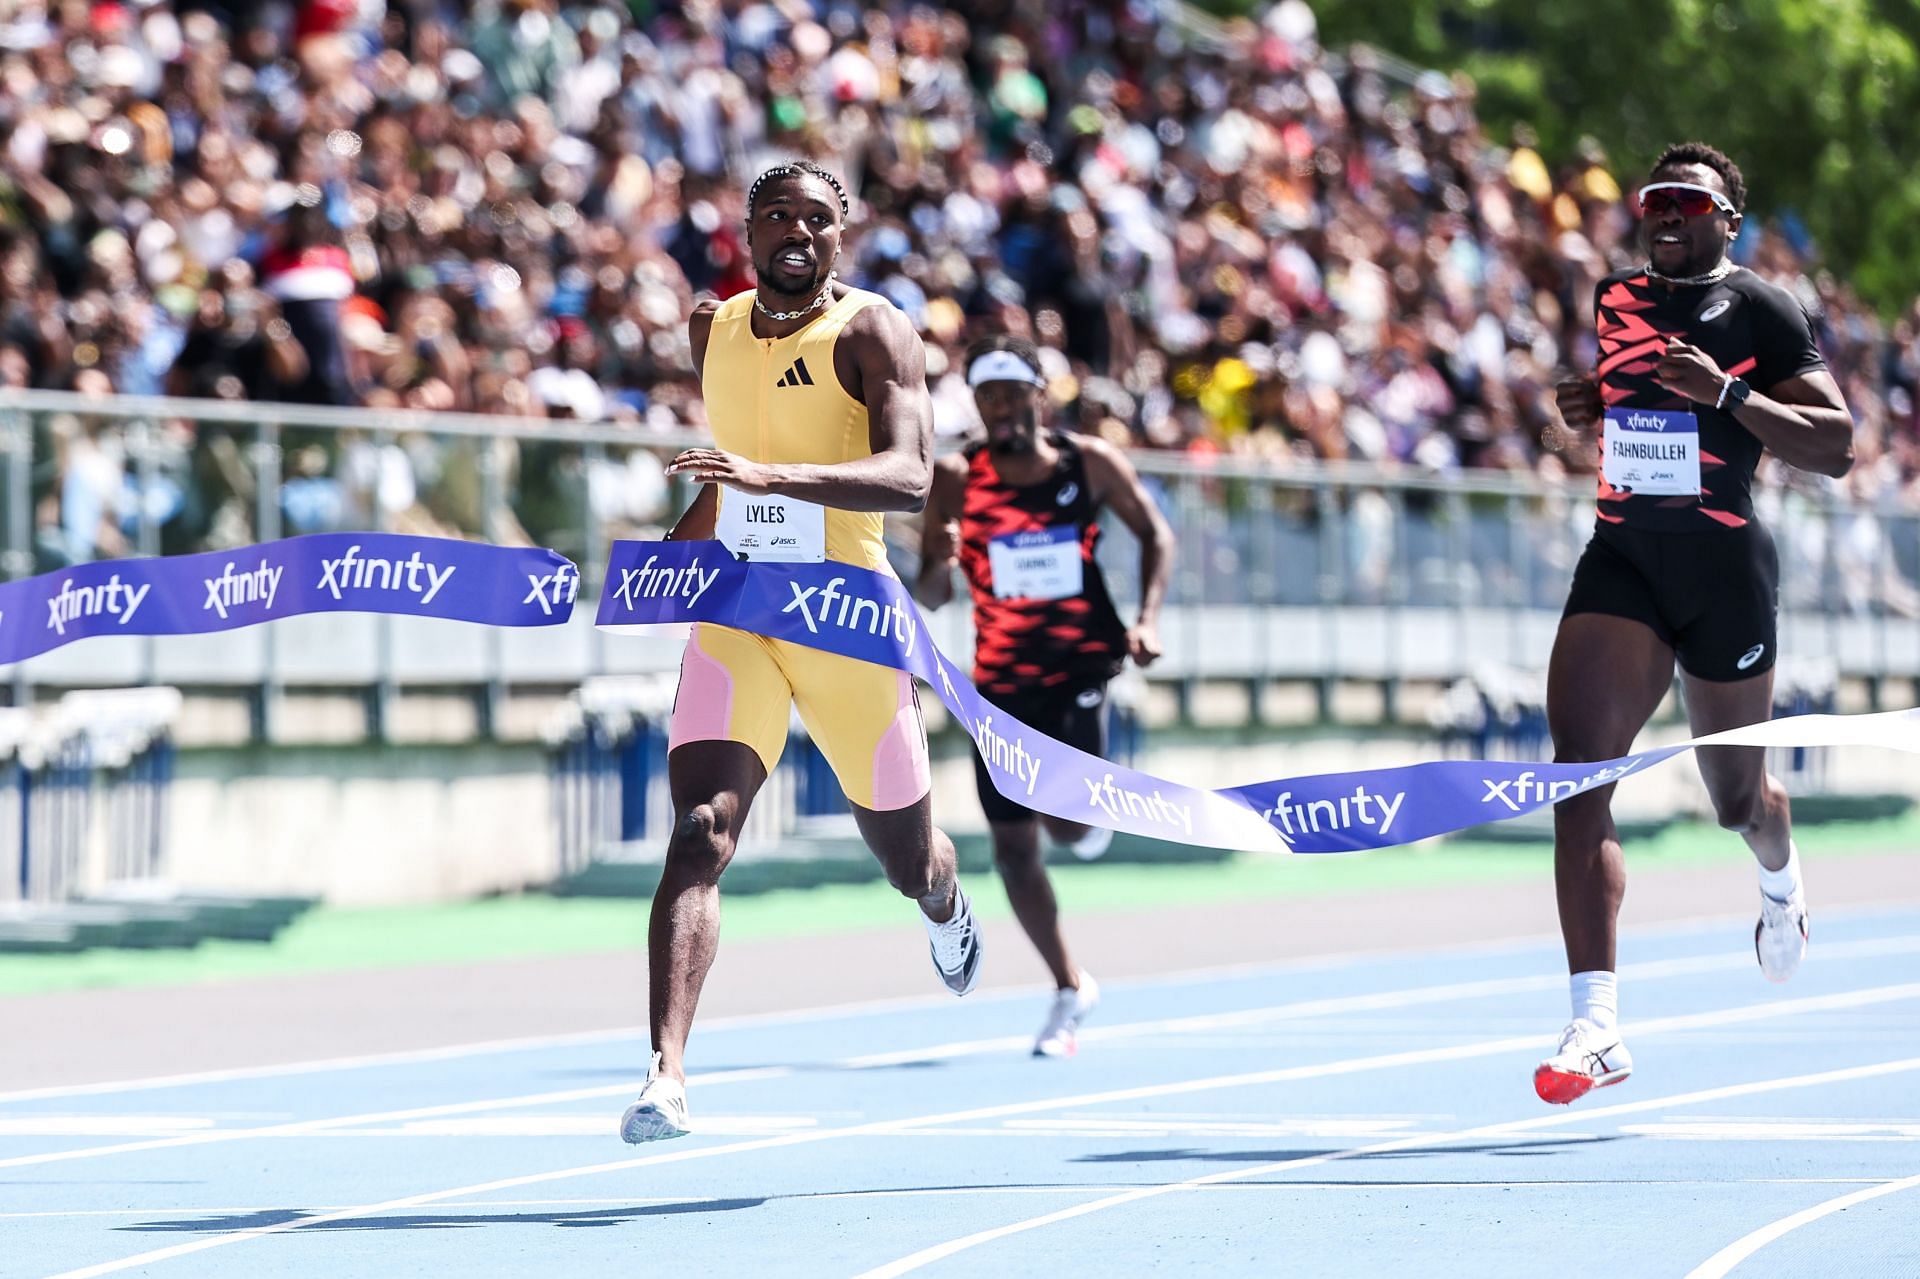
(1486, 1048)
(876, 1007)
(103, 1125)
(307, 1127)
(484, 1047)
(1716, 1128)
(939, 1252)
(1739, 1250)
(1375, 1001)
(1371, 1002)
(1653, 970)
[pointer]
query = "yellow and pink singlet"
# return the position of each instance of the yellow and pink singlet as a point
(778, 400)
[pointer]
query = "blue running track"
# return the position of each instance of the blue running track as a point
(1362, 1116)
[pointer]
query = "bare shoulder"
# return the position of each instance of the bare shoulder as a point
(885, 322)
(700, 329)
(700, 323)
(1099, 452)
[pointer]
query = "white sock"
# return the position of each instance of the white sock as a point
(1596, 997)
(1783, 883)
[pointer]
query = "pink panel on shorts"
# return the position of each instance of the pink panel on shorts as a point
(902, 773)
(703, 705)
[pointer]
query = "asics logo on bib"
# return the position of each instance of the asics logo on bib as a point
(1340, 814)
(350, 572)
(557, 587)
(1516, 792)
(648, 582)
(74, 602)
(854, 612)
(1121, 802)
(1006, 753)
(252, 586)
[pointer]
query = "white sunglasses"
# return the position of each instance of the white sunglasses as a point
(1704, 200)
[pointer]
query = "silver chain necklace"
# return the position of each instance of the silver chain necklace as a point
(1719, 273)
(826, 295)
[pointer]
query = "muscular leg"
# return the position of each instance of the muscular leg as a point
(1604, 682)
(916, 855)
(713, 784)
(1746, 798)
(1016, 851)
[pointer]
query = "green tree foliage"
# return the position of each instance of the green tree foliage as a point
(1818, 100)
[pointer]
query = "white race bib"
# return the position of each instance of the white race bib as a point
(779, 530)
(1041, 565)
(1653, 452)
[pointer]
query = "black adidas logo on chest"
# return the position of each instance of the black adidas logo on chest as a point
(797, 374)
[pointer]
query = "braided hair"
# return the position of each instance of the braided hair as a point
(795, 169)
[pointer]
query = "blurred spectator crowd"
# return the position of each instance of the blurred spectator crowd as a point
(1226, 239)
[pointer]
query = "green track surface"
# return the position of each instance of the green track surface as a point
(339, 939)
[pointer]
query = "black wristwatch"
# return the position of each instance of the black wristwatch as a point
(1734, 394)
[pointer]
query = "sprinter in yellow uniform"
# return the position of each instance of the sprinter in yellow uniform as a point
(817, 396)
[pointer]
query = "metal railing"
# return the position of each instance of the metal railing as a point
(1324, 571)
(83, 804)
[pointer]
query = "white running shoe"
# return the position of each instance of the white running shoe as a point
(1093, 845)
(1589, 1058)
(1059, 1036)
(661, 1111)
(1780, 938)
(956, 945)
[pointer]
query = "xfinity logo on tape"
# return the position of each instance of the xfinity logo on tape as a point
(557, 587)
(1121, 802)
(1525, 791)
(352, 573)
(650, 583)
(1006, 753)
(231, 589)
(1341, 814)
(879, 618)
(75, 602)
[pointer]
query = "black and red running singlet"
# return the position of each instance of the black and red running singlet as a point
(1754, 330)
(1041, 612)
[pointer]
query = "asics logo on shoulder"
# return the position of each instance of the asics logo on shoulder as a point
(1068, 491)
(796, 375)
(1717, 310)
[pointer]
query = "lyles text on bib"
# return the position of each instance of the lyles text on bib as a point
(772, 529)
